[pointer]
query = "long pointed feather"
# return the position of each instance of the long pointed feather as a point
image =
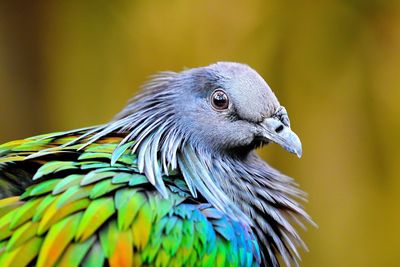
(58, 238)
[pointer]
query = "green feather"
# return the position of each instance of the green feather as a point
(26, 194)
(123, 195)
(53, 214)
(221, 254)
(188, 236)
(67, 182)
(172, 239)
(138, 179)
(9, 204)
(34, 145)
(22, 255)
(209, 259)
(54, 166)
(142, 226)
(151, 249)
(170, 224)
(162, 259)
(95, 155)
(10, 145)
(95, 256)
(202, 231)
(232, 256)
(117, 153)
(94, 216)
(96, 175)
(57, 239)
(121, 178)
(11, 159)
(75, 253)
(42, 207)
(22, 234)
(103, 187)
(193, 259)
(85, 165)
(74, 193)
(64, 140)
(24, 213)
(44, 187)
(103, 148)
(5, 225)
(129, 208)
(107, 238)
(129, 160)
(164, 206)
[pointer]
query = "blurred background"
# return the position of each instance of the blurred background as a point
(335, 65)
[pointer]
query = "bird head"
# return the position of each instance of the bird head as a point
(229, 107)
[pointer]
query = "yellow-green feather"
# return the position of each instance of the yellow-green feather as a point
(22, 234)
(141, 227)
(9, 204)
(22, 255)
(96, 214)
(75, 253)
(24, 213)
(53, 214)
(57, 239)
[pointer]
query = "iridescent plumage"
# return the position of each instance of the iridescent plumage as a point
(160, 185)
(84, 210)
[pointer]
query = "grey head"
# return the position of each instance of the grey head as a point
(228, 106)
(205, 123)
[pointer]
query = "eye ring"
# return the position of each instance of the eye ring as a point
(219, 100)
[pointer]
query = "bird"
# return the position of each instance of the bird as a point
(172, 180)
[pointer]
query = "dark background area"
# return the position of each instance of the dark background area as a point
(335, 65)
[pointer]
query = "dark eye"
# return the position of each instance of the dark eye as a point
(219, 100)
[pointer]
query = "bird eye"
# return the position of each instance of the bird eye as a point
(219, 100)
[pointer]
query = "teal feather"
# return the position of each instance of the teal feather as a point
(94, 165)
(95, 256)
(54, 166)
(117, 153)
(103, 187)
(137, 180)
(67, 182)
(72, 194)
(123, 177)
(97, 175)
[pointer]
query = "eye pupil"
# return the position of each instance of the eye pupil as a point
(220, 100)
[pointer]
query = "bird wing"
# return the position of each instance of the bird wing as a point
(65, 204)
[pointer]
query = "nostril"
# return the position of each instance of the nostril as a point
(279, 129)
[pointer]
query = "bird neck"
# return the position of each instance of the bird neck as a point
(268, 198)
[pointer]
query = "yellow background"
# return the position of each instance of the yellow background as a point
(335, 65)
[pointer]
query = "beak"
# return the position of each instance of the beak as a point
(273, 129)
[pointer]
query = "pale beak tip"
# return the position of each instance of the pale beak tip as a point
(299, 153)
(298, 150)
(295, 150)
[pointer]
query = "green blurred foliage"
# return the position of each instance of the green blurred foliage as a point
(335, 65)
